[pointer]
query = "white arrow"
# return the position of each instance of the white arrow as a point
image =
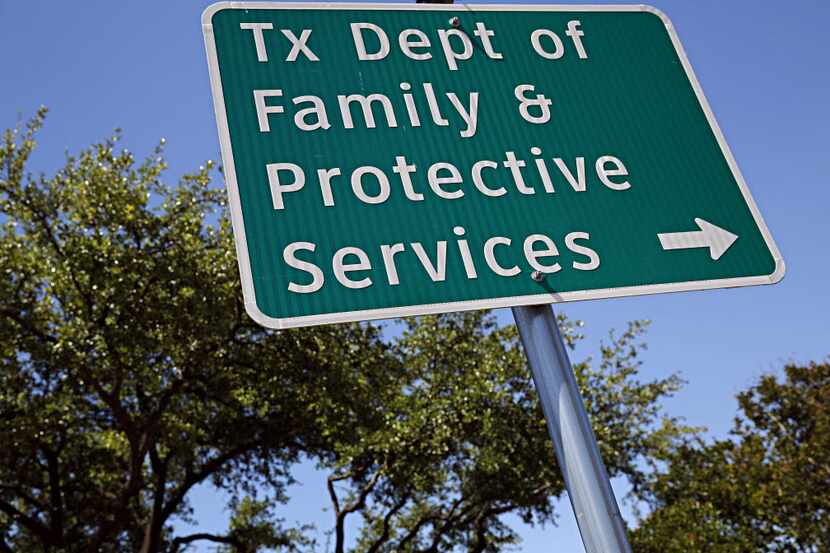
(709, 236)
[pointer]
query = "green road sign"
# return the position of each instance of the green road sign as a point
(387, 160)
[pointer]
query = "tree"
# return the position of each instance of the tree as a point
(458, 438)
(766, 488)
(130, 373)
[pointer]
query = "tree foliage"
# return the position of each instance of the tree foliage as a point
(130, 374)
(130, 371)
(460, 439)
(766, 488)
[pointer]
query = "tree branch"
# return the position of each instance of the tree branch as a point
(31, 523)
(152, 533)
(56, 511)
(26, 325)
(450, 520)
(208, 468)
(17, 490)
(413, 532)
(357, 504)
(203, 536)
(480, 543)
(333, 493)
(384, 535)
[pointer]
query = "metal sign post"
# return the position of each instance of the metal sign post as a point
(592, 499)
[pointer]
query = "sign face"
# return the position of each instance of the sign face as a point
(390, 160)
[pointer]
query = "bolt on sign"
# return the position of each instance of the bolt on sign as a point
(392, 160)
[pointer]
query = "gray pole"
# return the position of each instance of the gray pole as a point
(600, 523)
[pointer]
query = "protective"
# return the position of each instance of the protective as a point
(371, 185)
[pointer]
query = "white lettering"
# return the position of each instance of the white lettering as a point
(360, 46)
(383, 185)
(437, 272)
(342, 269)
(299, 45)
(478, 167)
(533, 255)
(324, 176)
(575, 33)
(436, 182)
(365, 103)
(263, 110)
(578, 183)
(388, 253)
(470, 116)
(407, 45)
(593, 258)
(535, 37)
(277, 188)
(450, 54)
(404, 170)
(490, 257)
(291, 260)
(317, 109)
(484, 34)
(259, 41)
(618, 170)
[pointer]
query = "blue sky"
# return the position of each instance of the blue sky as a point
(763, 66)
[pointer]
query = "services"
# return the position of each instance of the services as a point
(353, 268)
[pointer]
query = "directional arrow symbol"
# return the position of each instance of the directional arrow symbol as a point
(709, 236)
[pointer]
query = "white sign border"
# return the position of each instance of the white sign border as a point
(510, 301)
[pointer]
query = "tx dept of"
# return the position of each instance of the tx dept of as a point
(415, 44)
